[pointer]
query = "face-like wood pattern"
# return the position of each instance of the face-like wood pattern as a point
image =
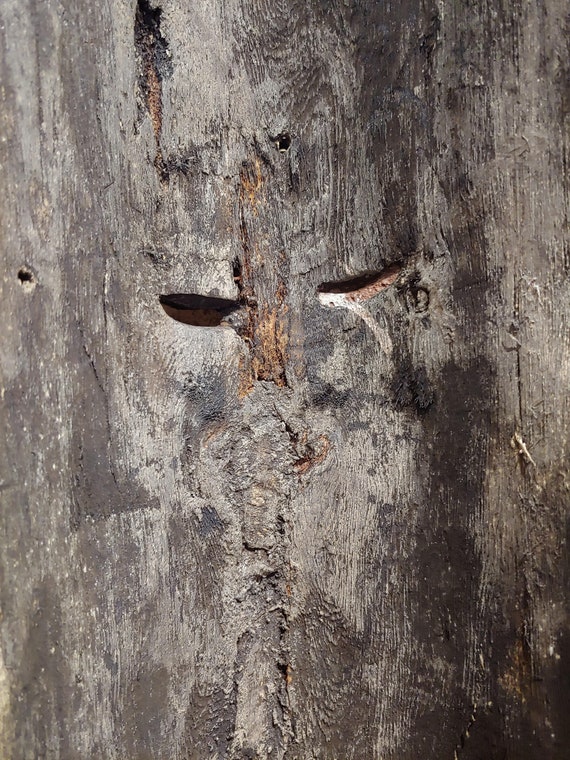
(288, 522)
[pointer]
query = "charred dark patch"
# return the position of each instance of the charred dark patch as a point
(100, 487)
(412, 387)
(45, 679)
(462, 427)
(158, 257)
(446, 562)
(142, 714)
(205, 393)
(326, 395)
(210, 522)
(205, 411)
(178, 164)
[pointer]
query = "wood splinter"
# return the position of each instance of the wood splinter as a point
(520, 447)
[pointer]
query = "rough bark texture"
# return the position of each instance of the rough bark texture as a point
(335, 528)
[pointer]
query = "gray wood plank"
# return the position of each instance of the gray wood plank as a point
(334, 524)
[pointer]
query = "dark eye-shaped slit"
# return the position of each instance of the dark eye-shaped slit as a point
(200, 311)
(359, 288)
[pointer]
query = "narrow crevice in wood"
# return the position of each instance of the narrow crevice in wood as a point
(155, 65)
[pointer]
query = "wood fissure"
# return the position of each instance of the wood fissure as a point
(154, 60)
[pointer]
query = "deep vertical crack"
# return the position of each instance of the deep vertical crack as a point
(155, 64)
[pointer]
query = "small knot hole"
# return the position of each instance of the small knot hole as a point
(283, 142)
(26, 278)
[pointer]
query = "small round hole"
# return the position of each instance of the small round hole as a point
(26, 278)
(283, 142)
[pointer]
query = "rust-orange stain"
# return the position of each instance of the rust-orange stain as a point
(267, 329)
(251, 184)
(154, 98)
(246, 379)
(270, 340)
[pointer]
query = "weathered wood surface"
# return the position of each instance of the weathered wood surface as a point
(332, 532)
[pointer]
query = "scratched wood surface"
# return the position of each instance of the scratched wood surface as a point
(331, 522)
